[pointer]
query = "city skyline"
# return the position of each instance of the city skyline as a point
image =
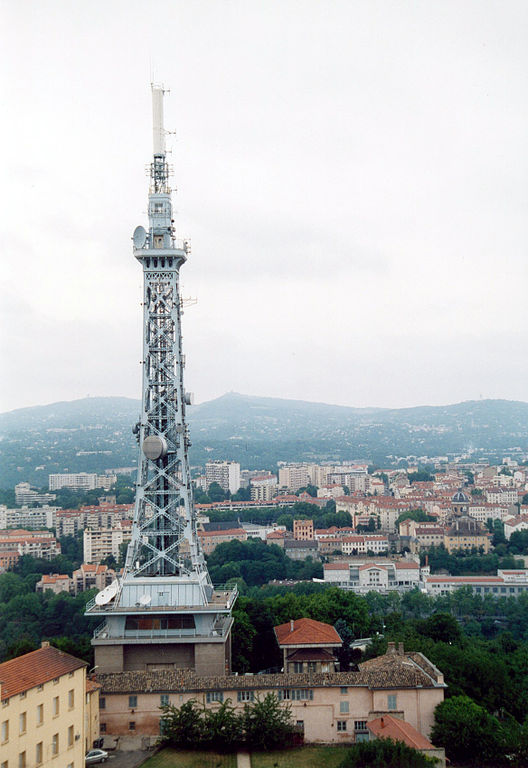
(351, 177)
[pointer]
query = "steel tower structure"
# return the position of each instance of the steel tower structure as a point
(164, 610)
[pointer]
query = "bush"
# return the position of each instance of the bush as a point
(385, 753)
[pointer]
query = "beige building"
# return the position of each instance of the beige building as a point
(328, 707)
(303, 530)
(43, 711)
(98, 543)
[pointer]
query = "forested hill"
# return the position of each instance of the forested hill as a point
(94, 434)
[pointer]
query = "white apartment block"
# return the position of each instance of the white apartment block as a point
(374, 575)
(225, 473)
(38, 517)
(25, 494)
(263, 487)
(503, 496)
(81, 481)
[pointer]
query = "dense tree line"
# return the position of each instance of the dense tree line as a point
(262, 724)
(27, 618)
(253, 562)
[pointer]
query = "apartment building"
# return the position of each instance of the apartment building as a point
(374, 574)
(99, 543)
(81, 481)
(225, 473)
(28, 517)
(25, 494)
(293, 477)
(505, 584)
(210, 539)
(303, 530)
(41, 544)
(263, 487)
(43, 710)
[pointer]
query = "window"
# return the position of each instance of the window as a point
(300, 725)
(23, 694)
(22, 722)
(341, 725)
(214, 696)
(344, 690)
(297, 666)
(132, 725)
(40, 714)
(71, 699)
(55, 744)
(5, 702)
(102, 703)
(55, 706)
(312, 666)
(22, 760)
(245, 696)
(55, 681)
(5, 764)
(70, 674)
(38, 753)
(70, 736)
(343, 707)
(132, 702)
(360, 725)
(40, 687)
(391, 701)
(102, 727)
(5, 732)
(164, 700)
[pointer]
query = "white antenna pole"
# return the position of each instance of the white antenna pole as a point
(158, 131)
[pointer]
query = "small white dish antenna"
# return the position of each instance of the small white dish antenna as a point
(107, 594)
(145, 599)
(139, 237)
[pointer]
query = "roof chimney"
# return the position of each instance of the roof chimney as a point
(400, 649)
(382, 723)
(44, 644)
(292, 625)
(391, 647)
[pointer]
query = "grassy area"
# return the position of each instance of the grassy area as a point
(304, 757)
(186, 758)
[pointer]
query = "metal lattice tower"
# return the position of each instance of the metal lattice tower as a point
(163, 612)
(164, 517)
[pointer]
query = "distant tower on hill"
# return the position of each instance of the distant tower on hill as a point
(164, 612)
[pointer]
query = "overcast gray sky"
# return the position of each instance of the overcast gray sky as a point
(352, 175)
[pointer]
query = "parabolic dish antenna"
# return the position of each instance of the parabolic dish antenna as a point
(145, 599)
(139, 237)
(107, 594)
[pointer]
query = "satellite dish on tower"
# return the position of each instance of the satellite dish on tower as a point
(145, 599)
(139, 237)
(107, 594)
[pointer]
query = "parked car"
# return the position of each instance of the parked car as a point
(95, 756)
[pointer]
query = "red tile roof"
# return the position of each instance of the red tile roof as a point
(306, 632)
(35, 668)
(389, 727)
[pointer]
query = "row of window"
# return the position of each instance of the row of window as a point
(295, 694)
(39, 750)
(283, 694)
(360, 726)
(22, 718)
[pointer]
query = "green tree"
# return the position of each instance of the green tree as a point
(267, 723)
(385, 753)
(468, 732)
(182, 726)
(222, 728)
(216, 492)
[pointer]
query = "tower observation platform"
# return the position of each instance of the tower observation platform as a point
(163, 613)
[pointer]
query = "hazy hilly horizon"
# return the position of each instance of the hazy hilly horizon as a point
(95, 433)
(234, 394)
